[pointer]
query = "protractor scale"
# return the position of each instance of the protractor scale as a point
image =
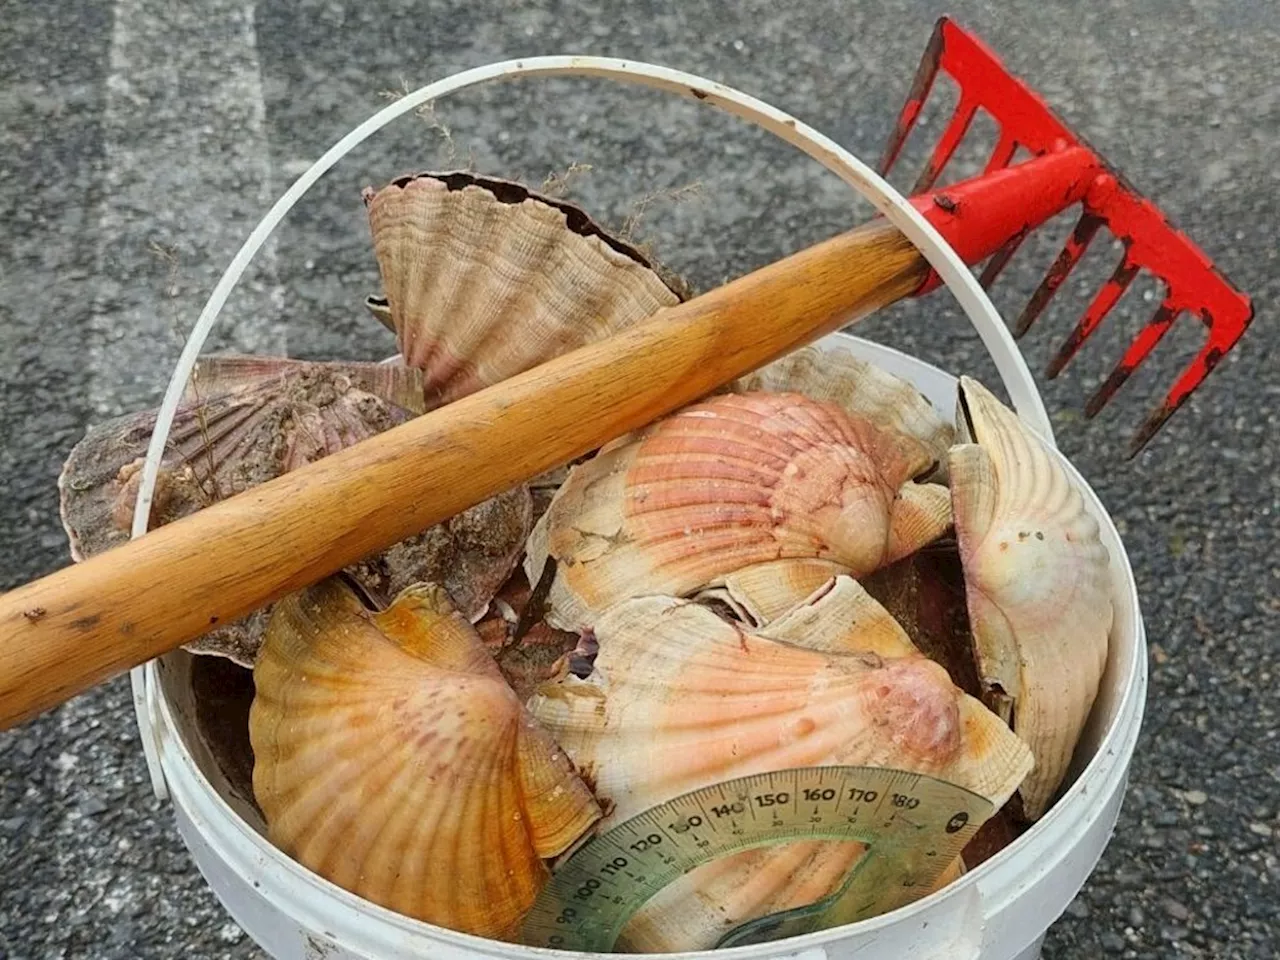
(913, 826)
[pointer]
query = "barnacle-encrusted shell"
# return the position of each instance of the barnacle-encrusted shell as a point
(242, 421)
(837, 375)
(392, 759)
(246, 420)
(733, 481)
(484, 279)
(1038, 585)
(216, 375)
(680, 699)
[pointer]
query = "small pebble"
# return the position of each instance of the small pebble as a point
(1112, 942)
(1196, 797)
(1078, 909)
(1261, 829)
(1177, 910)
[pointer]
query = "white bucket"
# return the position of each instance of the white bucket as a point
(999, 911)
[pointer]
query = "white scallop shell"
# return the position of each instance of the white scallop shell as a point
(1037, 582)
(761, 593)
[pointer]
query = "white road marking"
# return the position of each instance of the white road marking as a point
(187, 175)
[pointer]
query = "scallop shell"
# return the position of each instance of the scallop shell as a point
(761, 593)
(680, 699)
(393, 760)
(245, 420)
(484, 279)
(842, 618)
(697, 909)
(733, 481)
(214, 376)
(1038, 585)
(837, 375)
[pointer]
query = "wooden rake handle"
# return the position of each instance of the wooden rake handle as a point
(86, 623)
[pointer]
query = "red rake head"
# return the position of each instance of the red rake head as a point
(1193, 284)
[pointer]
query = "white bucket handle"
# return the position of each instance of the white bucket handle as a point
(897, 210)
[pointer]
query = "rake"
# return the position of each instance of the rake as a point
(78, 626)
(1064, 172)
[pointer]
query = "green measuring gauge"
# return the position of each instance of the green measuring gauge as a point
(914, 827)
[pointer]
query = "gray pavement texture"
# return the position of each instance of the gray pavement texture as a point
(140, 140)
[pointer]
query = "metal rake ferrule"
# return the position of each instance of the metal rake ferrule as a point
(989, 216)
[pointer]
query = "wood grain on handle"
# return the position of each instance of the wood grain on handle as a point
(81, 625)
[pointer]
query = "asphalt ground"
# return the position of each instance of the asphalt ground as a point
(140, 141)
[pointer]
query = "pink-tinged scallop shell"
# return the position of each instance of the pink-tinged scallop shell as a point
(1038, 585)
(484, 279)
(247, 420)
(837, 375)
(727, 483)
(700, 907)
(679, 699)
(392, 759)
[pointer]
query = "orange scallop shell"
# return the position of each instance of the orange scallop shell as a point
(392, 759)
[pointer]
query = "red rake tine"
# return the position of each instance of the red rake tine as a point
(1077, 244)
(1138, 351)
(1075, 175)
(946, 147)
(1102, 304)
(1006, 147)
